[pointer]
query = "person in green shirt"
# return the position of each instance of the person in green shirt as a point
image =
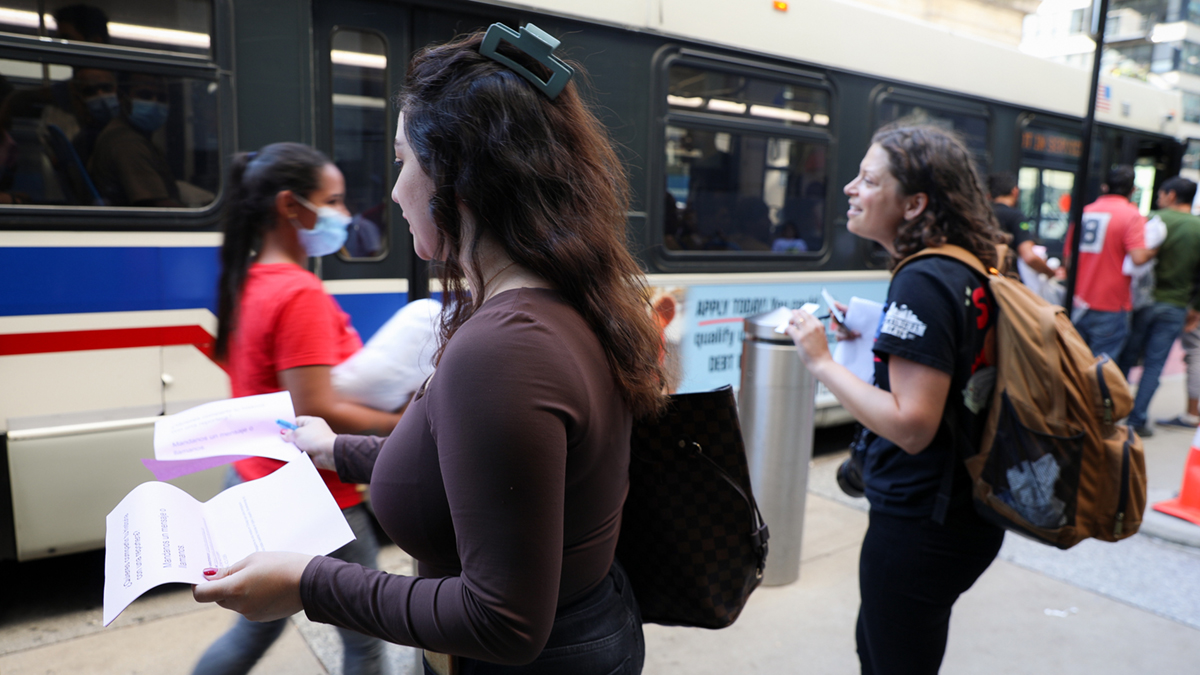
(1156, 327)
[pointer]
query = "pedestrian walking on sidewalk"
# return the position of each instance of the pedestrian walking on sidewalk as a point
(917, 188)
(1113, 229)
(278, 329)
(506, 477)
(1190, 341)
(1156, 327)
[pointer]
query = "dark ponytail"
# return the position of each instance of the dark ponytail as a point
(254, 180)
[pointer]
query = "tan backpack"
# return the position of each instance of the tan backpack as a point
(1053, 463)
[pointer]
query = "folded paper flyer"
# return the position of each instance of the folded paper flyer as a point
(160, 534)
(221, 432)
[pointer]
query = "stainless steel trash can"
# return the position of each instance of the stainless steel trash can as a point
(775, 406)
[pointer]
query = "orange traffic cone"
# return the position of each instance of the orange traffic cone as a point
(1187, 504)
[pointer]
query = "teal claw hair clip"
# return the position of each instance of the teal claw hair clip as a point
(536, 43)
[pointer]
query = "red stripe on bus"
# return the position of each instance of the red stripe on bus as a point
(112, 338)
(732, 319)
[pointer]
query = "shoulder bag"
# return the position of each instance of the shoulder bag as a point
(692, 538)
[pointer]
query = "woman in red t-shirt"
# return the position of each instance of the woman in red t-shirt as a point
(278, 329)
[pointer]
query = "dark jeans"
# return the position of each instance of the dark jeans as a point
(240, 648)
(1104, 332)
(600, 634)
(910, 573)
(1155, 329)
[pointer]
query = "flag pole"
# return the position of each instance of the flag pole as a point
(1079, 191)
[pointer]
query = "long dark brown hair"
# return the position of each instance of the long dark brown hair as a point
(541, 177)
(935, 161)
(254, 180)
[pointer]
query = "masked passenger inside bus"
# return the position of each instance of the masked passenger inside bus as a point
(128, 167)
(54, 120)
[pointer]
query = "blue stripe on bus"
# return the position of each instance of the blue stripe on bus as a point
(74, 280)
(371, 310)
(38, 280)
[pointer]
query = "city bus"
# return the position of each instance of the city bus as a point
(738, 122)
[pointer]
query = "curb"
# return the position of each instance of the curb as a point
(1170, 528)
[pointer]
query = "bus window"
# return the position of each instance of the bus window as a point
(972, 127)
(360, 137)
(744, 171)
(80, 136)
(182, 26)
(735, 95)
(737, 191)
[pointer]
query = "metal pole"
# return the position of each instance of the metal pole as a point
(1099, 19)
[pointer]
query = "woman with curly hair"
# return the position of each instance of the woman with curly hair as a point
(917, 189)
(506, 477)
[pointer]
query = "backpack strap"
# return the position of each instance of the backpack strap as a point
(960, 254)
(941, 504)
(1047, 322)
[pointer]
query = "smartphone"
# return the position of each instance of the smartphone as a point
(833, 308)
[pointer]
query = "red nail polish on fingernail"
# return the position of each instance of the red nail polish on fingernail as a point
(210, 571)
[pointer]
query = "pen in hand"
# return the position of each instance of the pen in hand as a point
(286, 424)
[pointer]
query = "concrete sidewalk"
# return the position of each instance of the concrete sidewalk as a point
(1099, 609)
(1015, 619)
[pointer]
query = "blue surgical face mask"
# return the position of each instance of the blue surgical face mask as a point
(330, 232)
(147, 116)
(103, 108)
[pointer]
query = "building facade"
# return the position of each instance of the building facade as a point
(1157, 41)
(996, 20)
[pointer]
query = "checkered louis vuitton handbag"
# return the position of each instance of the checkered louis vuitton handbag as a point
(692, 539)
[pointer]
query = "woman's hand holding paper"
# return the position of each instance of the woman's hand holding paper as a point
(260, 587)
(313, 436)
(808, 333)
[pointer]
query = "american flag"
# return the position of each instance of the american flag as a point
(1103, 98)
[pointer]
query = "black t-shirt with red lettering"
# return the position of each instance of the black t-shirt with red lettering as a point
(938, 313)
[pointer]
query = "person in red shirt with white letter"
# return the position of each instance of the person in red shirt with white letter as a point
(1112, 229)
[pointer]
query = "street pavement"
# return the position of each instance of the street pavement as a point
(1098, 609)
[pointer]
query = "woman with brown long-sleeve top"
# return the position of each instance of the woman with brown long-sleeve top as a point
(507, 475)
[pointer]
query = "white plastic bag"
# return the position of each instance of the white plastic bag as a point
(1141, 277)
(389, 369)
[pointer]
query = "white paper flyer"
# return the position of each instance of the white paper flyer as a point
(862, 317)
(220, 432)
(160, 534)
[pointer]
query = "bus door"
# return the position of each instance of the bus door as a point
(361, 50)
(1154, 159)
(1049, 157)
